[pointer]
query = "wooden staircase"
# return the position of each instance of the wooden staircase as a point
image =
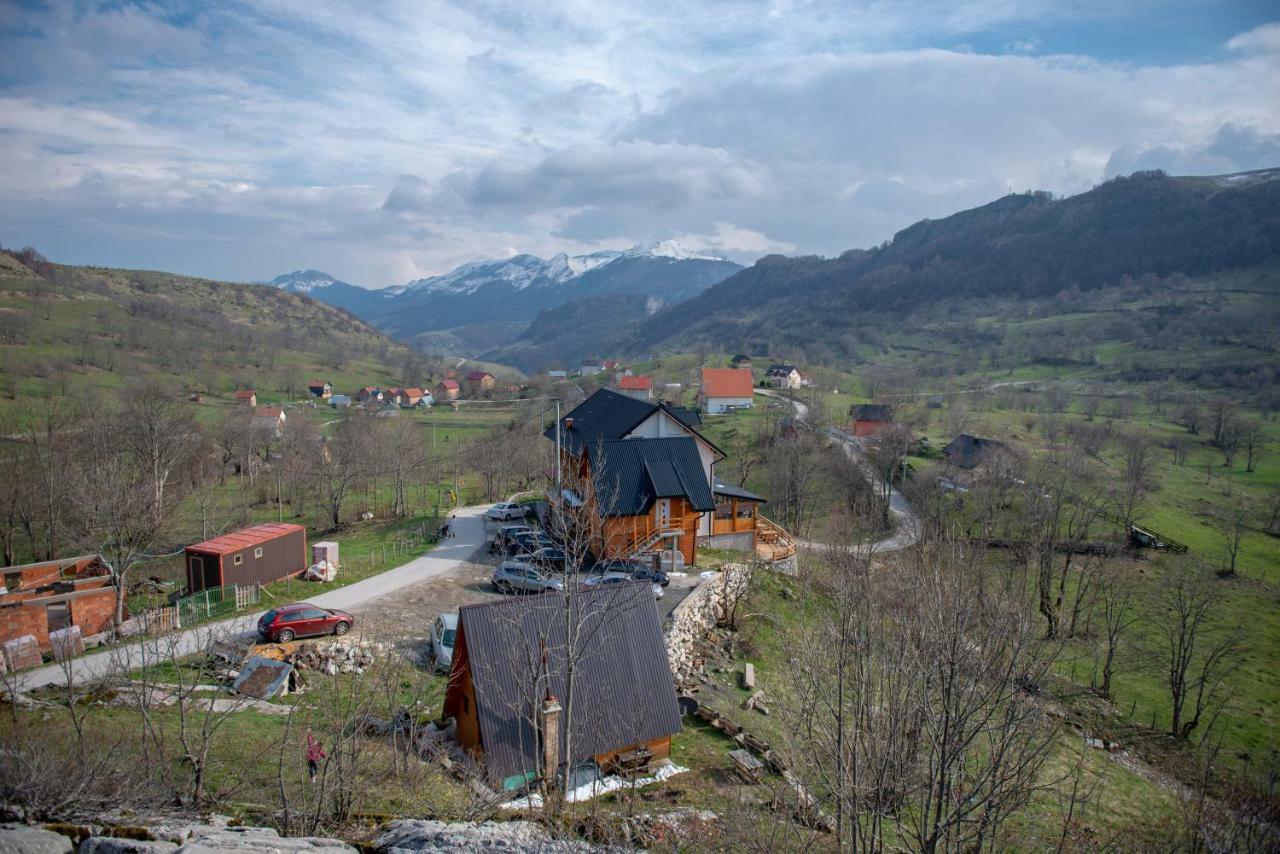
(772, 540)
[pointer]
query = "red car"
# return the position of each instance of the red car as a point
(302, 619)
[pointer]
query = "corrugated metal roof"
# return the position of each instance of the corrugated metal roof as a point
(242, 539)
(622, 693)
(628, 474)
(719, 487)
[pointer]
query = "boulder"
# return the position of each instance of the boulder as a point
(438, 837)
(257, 840)
(115, 845)
(25, 839)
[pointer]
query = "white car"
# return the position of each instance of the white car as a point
(443, 632)
(506, 510)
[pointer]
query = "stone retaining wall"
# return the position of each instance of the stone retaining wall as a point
(699, 612)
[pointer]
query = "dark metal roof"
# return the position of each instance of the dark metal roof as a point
(623, 693)
(968, 451)
(870, 412)
(602, 416)
(629, 474)
(719, 487)
(606, 415)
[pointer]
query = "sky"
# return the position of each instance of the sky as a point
(383, 142)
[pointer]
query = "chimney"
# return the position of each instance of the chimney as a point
(568, 424)
(550, 741)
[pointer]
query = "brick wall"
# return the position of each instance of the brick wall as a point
(19, 620)
(94, 612)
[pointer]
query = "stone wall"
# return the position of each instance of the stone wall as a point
(743, 541)
(699, 612)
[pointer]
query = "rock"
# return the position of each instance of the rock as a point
(749, 676)
(115, 845)
(258, 839)
(437, 837)
(25, 839)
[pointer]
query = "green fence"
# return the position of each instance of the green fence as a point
(214, 602)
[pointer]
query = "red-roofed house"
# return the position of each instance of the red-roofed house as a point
(258, 555)
(322, 389)
(479, 382)
(247, 397)
(447, 389)
(641, 388)
(269, 419)
(725, 390)
(411, 397)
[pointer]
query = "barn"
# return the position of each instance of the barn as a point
(258, 555)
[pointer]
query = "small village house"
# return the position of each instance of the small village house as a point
(970, 452)
(340, 401)
(508, 686)
(322, 389)
(44, 597)
(411, 397)
(641, 388)
(785, 376)
(590, 367)
(447, 389)
(480, 383)
(370, 394)
(740, 361)
(247, 397)
(269, 420)
(393, 395)
(869, 419)
(725, 390)
(258, 555)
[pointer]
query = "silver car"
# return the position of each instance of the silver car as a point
(443, 632)
(515, 576)
(506, 510)
(618, 578)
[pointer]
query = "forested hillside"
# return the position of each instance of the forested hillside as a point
(1019, 247)
(78, 331)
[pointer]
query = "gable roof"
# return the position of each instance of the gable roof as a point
(317, 383)
(246, 394)
(870, 412)
(268, 411)
(640, 383)
(726, 382)
(607, 414)
(968, 451)
(449, 384)
(476, 376)
(686, 416)
(622, 692)
(628, 475)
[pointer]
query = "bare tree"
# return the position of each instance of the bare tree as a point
(1136, 454)
(1199, 652)
(1116, 593)
(1232, 521)
(1253, 439)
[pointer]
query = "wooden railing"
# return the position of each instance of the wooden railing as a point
(777, 543)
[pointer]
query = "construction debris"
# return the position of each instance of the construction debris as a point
(263, 678)
(334, 657)
(756, 701)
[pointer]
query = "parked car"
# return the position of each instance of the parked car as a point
(637, 569)
(610, 578)
(508, 510)
(443, 632)
(300, 620)
(648, 573)
(503, 538)
(547, 557)
(514, 576)
(528, 541)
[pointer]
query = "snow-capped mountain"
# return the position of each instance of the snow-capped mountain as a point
(516, 289)
(304, 281)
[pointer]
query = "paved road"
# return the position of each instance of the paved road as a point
(469, 536)
(906, 523)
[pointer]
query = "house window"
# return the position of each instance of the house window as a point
(257, 553)
(746, 510)
(13, 580)
(724, 510)
(238, 559)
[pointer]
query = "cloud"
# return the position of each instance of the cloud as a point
(396, 139)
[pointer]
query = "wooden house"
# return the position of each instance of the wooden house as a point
(869, 419)
(507, 683)
(735, 522)
(641, 387)
(246, 397)
(322, 389)
(258, 555)
(447, 389)
(725, 390)
(479, 383)
(38, 598)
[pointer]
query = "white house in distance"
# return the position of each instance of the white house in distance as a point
(785, 376)
(641, 387)
(590, 367)
(725, 390)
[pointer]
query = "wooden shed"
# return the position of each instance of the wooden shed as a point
(258, 555)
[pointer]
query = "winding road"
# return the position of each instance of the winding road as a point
(906, 522)
(468, 537)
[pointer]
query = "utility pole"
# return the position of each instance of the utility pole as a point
(558, 474)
